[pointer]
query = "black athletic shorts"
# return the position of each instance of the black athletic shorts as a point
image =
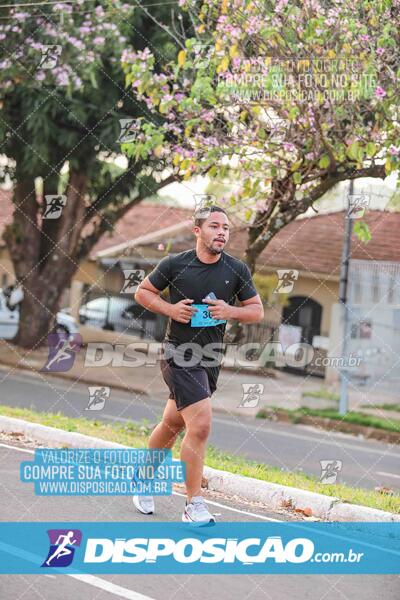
(188, 385)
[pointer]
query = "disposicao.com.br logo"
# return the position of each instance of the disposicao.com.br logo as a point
(190, 550)
(246, 547)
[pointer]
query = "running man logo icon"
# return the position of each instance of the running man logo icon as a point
(330, 469)
(202, 54)
(358, 204)
(275, 127)
(202, 203)
(50, 55)
(97, 397)
(130, 128)
(63, 543)
(55, 205)
(132, 280)
(62, 352)
(286, 277)
(251, 395)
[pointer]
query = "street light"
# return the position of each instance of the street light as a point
(343, 299)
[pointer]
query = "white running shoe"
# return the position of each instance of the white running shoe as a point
(197, 513)
(144, 504)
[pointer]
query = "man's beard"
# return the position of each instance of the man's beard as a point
(214, 250)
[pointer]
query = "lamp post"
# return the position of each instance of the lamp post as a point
(343, 299)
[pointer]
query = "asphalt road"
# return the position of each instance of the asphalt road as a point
(18, 503)
(365, 463)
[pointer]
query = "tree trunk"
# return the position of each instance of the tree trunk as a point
(44, 275)
(41, 303)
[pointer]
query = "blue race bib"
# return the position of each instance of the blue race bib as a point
(203, 318)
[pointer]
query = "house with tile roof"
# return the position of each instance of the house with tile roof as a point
(310, 246)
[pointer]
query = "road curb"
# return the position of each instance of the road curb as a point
(272, 495)
(24, 367)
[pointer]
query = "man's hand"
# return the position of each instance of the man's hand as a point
(219, 309)
(181, 312)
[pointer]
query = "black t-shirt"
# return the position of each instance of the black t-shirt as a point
(187, 277)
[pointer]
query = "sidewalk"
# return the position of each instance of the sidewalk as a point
(283, 390)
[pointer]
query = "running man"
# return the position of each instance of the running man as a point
(62, 550)
(192, 276)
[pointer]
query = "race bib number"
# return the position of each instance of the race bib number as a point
(203, 318)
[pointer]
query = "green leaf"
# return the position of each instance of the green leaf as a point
(362, 231)
(93, 80)
(371, 149)
(388, 166)
(352, 151)
(297, 178)
(297, 164)
(324, 161)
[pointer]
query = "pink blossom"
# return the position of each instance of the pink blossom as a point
(380, 92)
(144, 54)
(99, 40)
(380, 51)
(62, 78)
(208, 116)
(128, 56)
(289, 147)
(394, 150)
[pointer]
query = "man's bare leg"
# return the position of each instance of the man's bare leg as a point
(166, 432)
(197, 419)
(162, 436)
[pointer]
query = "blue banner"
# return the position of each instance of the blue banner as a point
(102, 472)
(222, 548)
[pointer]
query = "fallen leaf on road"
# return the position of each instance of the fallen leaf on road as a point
(307, 512)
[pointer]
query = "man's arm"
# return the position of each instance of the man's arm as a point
(149, 296)
(250, 311)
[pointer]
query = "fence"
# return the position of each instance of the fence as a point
(119, 312)
(374, 337)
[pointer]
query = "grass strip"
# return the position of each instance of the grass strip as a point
(136, 434)
(329, 413)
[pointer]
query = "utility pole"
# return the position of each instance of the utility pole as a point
(343, 299)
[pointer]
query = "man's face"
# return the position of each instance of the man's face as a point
(214, 232)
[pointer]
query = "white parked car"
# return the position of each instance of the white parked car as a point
(9, 320)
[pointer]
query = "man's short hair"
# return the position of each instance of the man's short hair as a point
(204, 212)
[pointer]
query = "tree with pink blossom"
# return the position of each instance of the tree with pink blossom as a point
(284, 99)
(62, 100)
